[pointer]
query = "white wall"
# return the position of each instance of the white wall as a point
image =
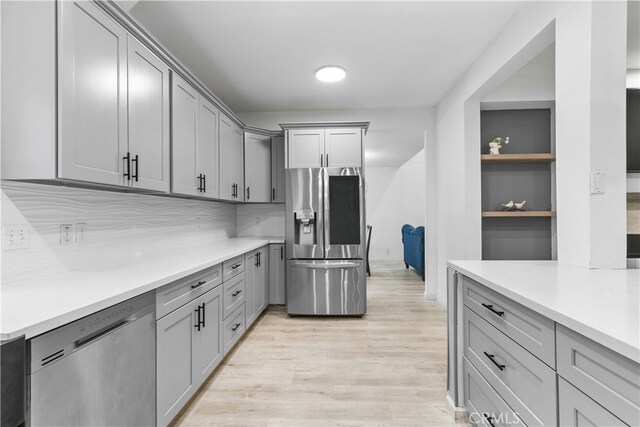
(590, 97)
(395, 196)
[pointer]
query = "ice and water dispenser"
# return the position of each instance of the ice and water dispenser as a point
(305, 227)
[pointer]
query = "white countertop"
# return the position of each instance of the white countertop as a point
(31, 307)
(603, 305)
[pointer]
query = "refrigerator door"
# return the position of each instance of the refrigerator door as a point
(326, 288)
(304, 214)
(344, 214)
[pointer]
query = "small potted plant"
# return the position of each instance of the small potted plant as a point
(496, 144)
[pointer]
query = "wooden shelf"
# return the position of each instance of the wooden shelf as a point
(518, 214)
(518, 158)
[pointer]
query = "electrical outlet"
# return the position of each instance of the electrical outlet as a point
(388, 251)
(15, 237)
(66, 235)
(81, 232)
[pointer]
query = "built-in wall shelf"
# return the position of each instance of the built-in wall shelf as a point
(518, 158)
(518, 214)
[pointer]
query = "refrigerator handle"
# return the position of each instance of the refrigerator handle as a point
(325, 266)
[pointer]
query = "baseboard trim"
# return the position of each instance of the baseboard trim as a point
(460, 415)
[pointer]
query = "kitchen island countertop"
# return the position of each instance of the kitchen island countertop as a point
(33, 306)
(603, 305)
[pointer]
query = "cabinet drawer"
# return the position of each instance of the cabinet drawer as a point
(607, 377)
(485, 406)
(233, 328)
(578, 410)
(232, 267)
(526, 384)
(529, 329)
(180, 292)
(234, 294)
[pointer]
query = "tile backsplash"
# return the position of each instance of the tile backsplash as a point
(261, 220)
(119, 226)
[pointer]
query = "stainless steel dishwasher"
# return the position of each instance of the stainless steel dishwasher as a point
(97, 371)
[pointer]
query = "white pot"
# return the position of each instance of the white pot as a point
(494, 148)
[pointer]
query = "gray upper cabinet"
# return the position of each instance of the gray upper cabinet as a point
(231, 160)
(114, 103)
(257, 168)
(277, 169)
(195, 145)
(93, 95)
(305, 148)
(185, 101)
(343, 147)
(207, 150)
(148, 96)
(315, 148)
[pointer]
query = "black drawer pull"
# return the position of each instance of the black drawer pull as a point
(198, 284)
(236, 293)
(236, 327)
(233, 267)
(492, 358)
(491, 309)
(489, 419)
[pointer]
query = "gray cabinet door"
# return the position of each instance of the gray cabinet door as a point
(231, 160)
(184, 121)
(208, 341)
(343, 147)
(257, 168)
(262, 284)
(251, 278)
(207, 150)
(276, 274)
(148, 95)
(305, 148)
(93, 106)
(277, 169)
(576, 409)
(175, 381)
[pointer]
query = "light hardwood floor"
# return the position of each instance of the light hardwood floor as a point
(385, 369)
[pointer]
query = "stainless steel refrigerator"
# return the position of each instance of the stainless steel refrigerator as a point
(325, 238)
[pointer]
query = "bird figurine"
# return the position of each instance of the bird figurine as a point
(508, 206)
(520, 206)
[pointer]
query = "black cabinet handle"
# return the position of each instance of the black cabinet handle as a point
(203, 313)
(127, 160)
(248, 193)
(198, 284)
(204, 183)
(492, 358)
(327, 162)
(273, 194)
(321, 161)
(236, 327)
(281, 254)
(491, 309)
(489, 419)
(197, 326)
(199, 182)
(233, 267)
(236, 293)
(137, 163)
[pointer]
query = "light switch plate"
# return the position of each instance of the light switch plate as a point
(598, 182)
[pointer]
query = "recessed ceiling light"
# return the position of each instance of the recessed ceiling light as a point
(330, 73)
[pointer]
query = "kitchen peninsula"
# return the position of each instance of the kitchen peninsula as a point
(538, 342)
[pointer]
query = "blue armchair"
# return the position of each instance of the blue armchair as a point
(413, 245)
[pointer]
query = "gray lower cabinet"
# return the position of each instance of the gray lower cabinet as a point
(189, 347)
(276, 274)
(514, 361)
(579, 410)
(257, 284)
